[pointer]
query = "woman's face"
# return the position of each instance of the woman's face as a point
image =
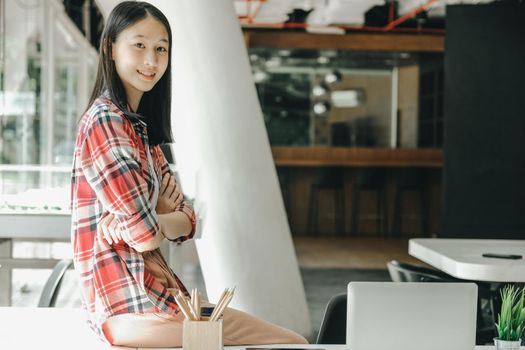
(141, 56)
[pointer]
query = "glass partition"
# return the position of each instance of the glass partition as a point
(66, 90)
(47, 71)
(340, 97)
(20, 94)
(47, 68)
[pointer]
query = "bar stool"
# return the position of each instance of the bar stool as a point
(374, 180)
(410, 180)
(327, 179)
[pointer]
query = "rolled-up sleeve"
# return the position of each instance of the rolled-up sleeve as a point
(184, 207)
(110, 161)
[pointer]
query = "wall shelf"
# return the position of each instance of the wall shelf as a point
(350, 41)
(357, 157)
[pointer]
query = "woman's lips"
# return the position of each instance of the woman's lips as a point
(146, 75)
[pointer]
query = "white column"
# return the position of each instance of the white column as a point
(224, 160)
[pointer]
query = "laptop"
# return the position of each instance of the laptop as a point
(411, 316)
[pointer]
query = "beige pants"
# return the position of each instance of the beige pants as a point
(160, 330)
(153, 330)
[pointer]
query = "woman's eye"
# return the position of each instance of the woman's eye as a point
(162, 49)
(140, 45)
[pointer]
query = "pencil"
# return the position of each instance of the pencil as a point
(223, 295)
(182, 307)
(221, 308)
(221, 305)
(183, 302)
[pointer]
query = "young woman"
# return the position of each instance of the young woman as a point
(125, 200)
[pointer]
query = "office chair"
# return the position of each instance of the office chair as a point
(327, 179)
(52, 286)
(487, 295)
(333, 325)
(371, 180)
(403, 272)
(412, 180)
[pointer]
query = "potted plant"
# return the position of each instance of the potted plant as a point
(511, 319)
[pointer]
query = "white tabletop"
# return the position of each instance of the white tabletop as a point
(50, 226)
(462, 258)
(57, 328)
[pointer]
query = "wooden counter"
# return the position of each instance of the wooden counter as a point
(357, 157)
(349, 41)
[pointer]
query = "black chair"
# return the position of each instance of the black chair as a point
(487, 294)
(52, 286)
(333, 325)
(371, 180)
(410, 180)
(403, 272)
(327, 179)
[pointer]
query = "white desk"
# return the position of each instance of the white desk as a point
(50, 227)
(462, 258)
(54, 328)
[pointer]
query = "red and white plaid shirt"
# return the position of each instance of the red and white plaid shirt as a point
(111, 174)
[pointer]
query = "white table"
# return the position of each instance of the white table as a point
(50, 227)
(55, 328)
(462, 258)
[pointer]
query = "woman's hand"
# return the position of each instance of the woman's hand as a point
(108, 229)
(170, 195)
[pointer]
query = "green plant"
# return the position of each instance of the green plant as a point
(511, 319)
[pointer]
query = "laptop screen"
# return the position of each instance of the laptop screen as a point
(411, 316)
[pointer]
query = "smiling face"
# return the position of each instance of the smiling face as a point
(141, 57)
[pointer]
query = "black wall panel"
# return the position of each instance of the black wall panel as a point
(484, 145)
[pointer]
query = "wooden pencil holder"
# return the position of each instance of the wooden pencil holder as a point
(202, 335)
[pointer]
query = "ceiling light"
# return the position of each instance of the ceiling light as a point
(319, 90)
(323, 60)
(347, 98)
(260, 76)
(273, 62)
(333, 77)
(321, 108)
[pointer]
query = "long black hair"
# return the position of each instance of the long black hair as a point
(155, 105)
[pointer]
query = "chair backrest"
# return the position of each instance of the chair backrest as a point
(333, 325)
(403, 272)
(52, 286)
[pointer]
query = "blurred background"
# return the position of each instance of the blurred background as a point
(357, 98)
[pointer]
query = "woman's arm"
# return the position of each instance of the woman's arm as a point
(175, 225)
(111, 165)
(175, 218)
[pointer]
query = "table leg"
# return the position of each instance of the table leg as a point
(6, 251)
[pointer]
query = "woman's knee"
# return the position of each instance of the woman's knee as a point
(148, 330)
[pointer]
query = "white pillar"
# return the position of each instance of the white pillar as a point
(224, 161)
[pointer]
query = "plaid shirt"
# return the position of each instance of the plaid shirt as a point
(112, 174)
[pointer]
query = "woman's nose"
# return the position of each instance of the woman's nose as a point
(150, 59)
